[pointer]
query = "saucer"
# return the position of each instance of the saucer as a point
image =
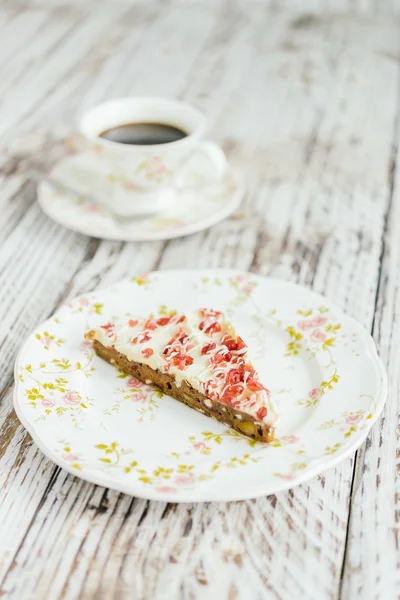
(192, 208)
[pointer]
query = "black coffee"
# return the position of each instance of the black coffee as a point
(144, 134)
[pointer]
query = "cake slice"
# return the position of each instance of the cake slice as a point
(197, 359)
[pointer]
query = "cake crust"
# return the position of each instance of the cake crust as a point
(239, 421)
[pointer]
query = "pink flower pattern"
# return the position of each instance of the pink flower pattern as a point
(70, 457)
(353, 419)
(287, 476)
(243, 286)
(307, 324)
(199, 446)
(156, 166)
(129, 185)
(314, 393)
(48, 402)
(319, 321)
(72, 398)
(290, 439)
(318, 336)
(134, 382)
(46, 341)
(139, 397)
(185, 479)
(304, 325)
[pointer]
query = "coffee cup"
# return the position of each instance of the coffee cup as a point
(146, 143)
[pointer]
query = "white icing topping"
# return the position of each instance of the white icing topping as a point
(201, 348)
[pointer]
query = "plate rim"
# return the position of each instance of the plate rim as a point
(133, 489)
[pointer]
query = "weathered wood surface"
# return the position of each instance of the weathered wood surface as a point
(308, 107)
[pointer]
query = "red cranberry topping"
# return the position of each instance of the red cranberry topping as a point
(261, 413)
(147, 352)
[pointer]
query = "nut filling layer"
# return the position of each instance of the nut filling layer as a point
(240, 421)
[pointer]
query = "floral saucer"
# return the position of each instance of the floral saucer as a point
(108, 428)
(190, 209)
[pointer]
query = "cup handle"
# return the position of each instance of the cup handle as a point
(214, 154)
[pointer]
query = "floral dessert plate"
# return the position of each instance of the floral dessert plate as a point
(108, 428)
(193, 208)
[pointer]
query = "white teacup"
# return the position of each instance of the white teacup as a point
(150, 173)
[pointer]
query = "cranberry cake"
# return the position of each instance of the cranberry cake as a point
(197, 359)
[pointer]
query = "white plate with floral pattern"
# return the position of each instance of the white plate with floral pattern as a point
(190, 211)
(103, 426)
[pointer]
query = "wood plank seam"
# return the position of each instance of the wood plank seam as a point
(392, 170)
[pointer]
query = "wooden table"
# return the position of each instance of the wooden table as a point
(308, 107)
